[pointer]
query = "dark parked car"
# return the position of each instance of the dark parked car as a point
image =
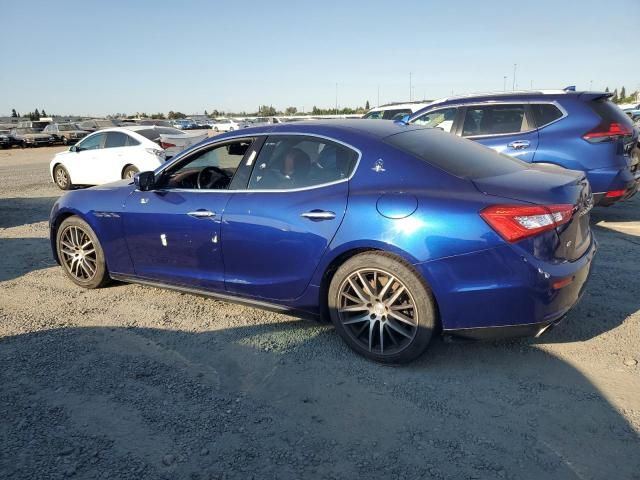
(66, 133)
(576, 130)
(8, 140)
(392, 231)
(96, 124)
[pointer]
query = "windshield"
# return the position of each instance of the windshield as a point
(66, 128)
(169, 131)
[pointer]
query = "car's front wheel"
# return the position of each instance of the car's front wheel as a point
(62, 178)
(80, 253)
(382, 308)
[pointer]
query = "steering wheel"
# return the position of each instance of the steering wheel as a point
(207, 179)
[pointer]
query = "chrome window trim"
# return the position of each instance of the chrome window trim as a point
(248, 190)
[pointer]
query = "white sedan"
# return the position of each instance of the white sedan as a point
(105, 156)
(225, 125)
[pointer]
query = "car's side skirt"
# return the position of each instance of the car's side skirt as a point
(261, 304)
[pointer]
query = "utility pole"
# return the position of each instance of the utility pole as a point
(590, 85)
(504, 86)
(410, 86)
(378, 96)
(336, 98)
(515, 65)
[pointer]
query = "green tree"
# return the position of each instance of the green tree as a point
(36, 115)
(175, 115)
(267, 110)
(606, 90)
(291, 110)
(158, 116)
(366, 105)
(14, 114)
(44, 114)
(615, 96)
(206, 114)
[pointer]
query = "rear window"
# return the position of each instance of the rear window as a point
(545, 113)
(151, 134)
(610, 113)
(457, 156)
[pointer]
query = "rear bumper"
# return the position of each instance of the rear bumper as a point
(504, 290)
(606, 180)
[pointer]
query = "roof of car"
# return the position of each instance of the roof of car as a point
(375, 128)
(513, 95)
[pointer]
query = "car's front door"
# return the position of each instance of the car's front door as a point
(275, 233)
(84, 162)
(506, 128)
(173, 232)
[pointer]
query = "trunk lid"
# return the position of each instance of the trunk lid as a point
(549, 186)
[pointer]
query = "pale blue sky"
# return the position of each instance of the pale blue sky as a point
(96, 58)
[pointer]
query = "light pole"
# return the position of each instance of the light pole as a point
(378, 96)
(515, 65)
(504, 85)
(590, 85)
(336, 98)
(410, 86)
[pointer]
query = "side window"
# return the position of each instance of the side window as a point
(494, 120)
(395, 114)
(545, 113)
(207, 169)
(374, 115)
(442, 119)
(132, 142)
(287, 162)
(115, 139)
(93, 142)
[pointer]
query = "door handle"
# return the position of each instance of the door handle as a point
(319, 215)
(519, 144)
(201, 214)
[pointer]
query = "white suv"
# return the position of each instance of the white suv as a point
(394, 111)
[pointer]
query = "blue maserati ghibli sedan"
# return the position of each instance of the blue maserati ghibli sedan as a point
(393, 232)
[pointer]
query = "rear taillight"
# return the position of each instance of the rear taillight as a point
(605, 133)
(166, 145)
(515, 222)
(615, 193)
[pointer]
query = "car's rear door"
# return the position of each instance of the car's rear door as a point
(275, 233)
(505, 127)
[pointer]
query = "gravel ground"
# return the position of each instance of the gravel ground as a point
(137, 382)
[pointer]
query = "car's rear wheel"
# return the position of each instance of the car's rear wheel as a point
(129, 172)
(65, 141)
(80, 253)
(62, 178)
(382, 308)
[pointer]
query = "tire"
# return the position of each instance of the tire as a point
(80, 254)
(394, 335)
(215, 129)
(129, 172)
(62, 178)
(65, 141)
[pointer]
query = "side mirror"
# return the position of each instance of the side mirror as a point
(144, 181)
(73, 148)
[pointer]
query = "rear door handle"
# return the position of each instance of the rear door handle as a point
(519, 144)
(317, 215)
(202, 214)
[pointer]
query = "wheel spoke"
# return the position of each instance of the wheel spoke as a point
(89, 252)
(386, 287)
(397, 328)
(403, 318)
(364, 318)
(66, 244)
(395, 295)
(358, 291)
(350, 297)
(381, 337)
(404, 306)
(371, 335)
(361, 307)
(365, 285)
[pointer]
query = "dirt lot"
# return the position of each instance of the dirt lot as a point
(136, 382)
